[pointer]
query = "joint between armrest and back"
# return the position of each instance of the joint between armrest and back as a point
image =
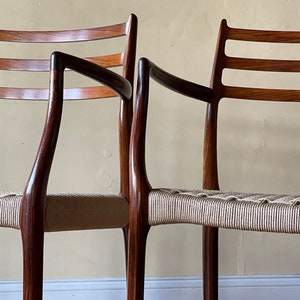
(107, 77)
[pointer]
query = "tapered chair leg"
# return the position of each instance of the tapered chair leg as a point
(210, 263)
(32, 266)
(125, 236)
(136, 266)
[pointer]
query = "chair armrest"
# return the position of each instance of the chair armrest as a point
(187, 88)
(147, 69)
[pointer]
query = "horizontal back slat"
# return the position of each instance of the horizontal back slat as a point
(63, 36)
(84, 93)
(261, 94)
(43, 65)
(23, 93)
(37, 90)
(108, 61)
(267, 36)
(238, 62)
(94, 92)
(262, 64)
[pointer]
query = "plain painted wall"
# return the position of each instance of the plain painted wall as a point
(258, 142)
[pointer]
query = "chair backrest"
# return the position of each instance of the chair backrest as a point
(125, 59)
(220, 90)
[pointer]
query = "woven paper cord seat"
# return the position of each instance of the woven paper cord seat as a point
(259, 212)
(70, 211)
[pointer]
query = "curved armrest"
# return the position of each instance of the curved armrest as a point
(147, 69)
(119, 84)
(37, 184)
(172, 82)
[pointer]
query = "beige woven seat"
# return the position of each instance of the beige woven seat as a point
(208, 207)
(10, 209)
(258, 212)
(64, 212)
(34, 211)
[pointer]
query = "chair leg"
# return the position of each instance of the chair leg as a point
(125, 236)
(210, 263)
(33, 265)
(136, 264)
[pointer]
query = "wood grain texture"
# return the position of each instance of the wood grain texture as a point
(64, 36)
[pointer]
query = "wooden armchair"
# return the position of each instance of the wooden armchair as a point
(208, 207)
(34, 211)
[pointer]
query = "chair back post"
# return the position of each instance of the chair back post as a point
(210, 167)
(126, 107)
(210, 161)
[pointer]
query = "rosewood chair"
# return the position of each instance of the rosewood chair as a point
(34, 211)
(209, 207)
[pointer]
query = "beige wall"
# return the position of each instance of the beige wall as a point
(180, 36)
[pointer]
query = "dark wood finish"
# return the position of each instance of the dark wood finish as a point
(140, 186)
(32, 206)
(139, 183)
